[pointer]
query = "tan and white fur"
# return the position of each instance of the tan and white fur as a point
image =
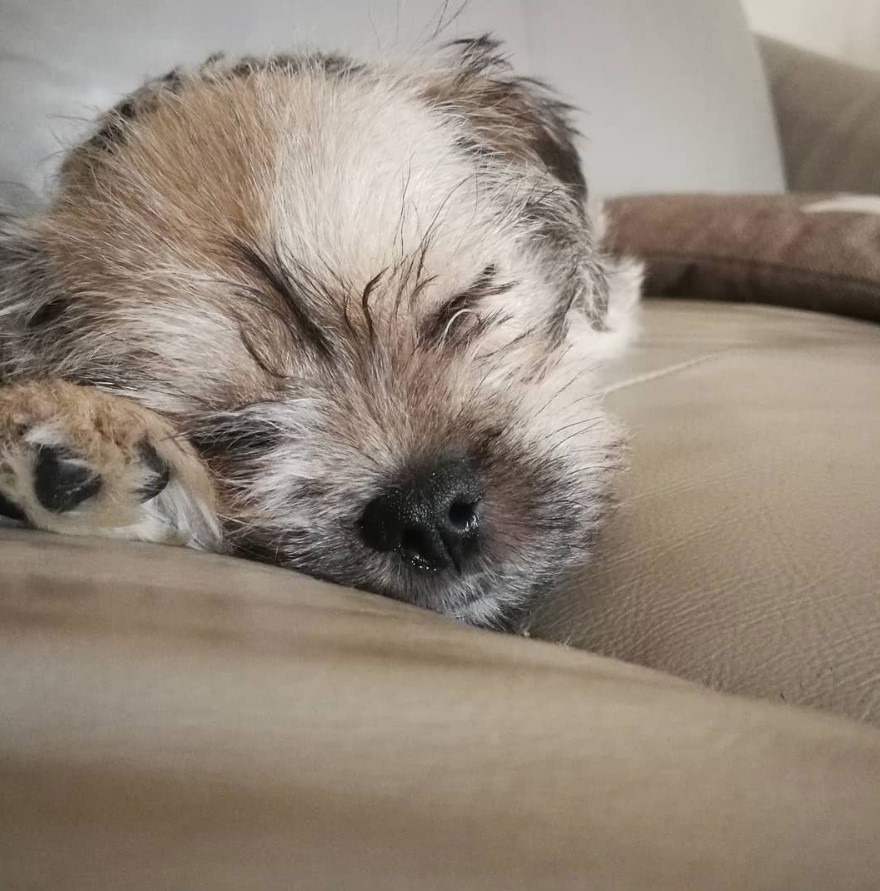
(267, 290)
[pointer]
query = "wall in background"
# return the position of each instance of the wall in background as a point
(671, 94)
(845, 29)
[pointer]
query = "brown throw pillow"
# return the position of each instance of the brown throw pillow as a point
(810, 251)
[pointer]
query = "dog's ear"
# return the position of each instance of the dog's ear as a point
(514, 117)
(522, 121)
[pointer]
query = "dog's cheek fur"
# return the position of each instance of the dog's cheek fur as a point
(32, 301)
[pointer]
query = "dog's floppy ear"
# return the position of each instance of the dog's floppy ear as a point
(515, 117)
(523, 122)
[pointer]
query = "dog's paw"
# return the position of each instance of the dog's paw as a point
(79, 461)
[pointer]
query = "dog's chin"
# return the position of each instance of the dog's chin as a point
(489, 611)
(494, 594)
(483, 600)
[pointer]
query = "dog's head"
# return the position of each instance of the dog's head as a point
(372, 297)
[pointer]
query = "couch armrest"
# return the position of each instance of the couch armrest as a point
(828, 114)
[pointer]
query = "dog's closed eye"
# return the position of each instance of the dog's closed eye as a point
(451, 319)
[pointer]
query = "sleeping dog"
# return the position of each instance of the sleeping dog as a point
(340, 317)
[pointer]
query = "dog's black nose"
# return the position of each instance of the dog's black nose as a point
(432, 520)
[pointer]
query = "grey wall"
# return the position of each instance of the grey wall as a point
(672, 92)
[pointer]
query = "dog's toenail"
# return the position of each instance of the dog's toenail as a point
(154, 462)
(61, 482)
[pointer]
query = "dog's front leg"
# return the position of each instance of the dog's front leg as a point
(78, 461)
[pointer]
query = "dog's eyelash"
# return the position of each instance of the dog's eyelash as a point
(446, 320)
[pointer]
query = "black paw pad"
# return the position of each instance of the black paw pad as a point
(60, 482)
(161, 474)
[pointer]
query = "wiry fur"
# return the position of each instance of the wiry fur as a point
(325, 274)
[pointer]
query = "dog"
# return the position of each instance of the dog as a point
(341, 317)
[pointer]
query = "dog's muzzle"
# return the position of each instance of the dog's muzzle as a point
(432, 520)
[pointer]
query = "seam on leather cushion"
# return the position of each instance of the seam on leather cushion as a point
(668, 371)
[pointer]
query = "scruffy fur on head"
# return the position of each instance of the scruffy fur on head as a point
(326, 274)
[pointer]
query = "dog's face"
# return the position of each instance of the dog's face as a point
(370, 296)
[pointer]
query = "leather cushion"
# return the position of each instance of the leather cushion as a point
(744, 552)
(828, 113)
(809, 251)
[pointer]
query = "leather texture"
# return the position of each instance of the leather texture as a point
(649, 121)
(744, 551)
(828, 113)
(172, 720)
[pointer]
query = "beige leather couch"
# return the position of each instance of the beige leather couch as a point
(171, 720)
